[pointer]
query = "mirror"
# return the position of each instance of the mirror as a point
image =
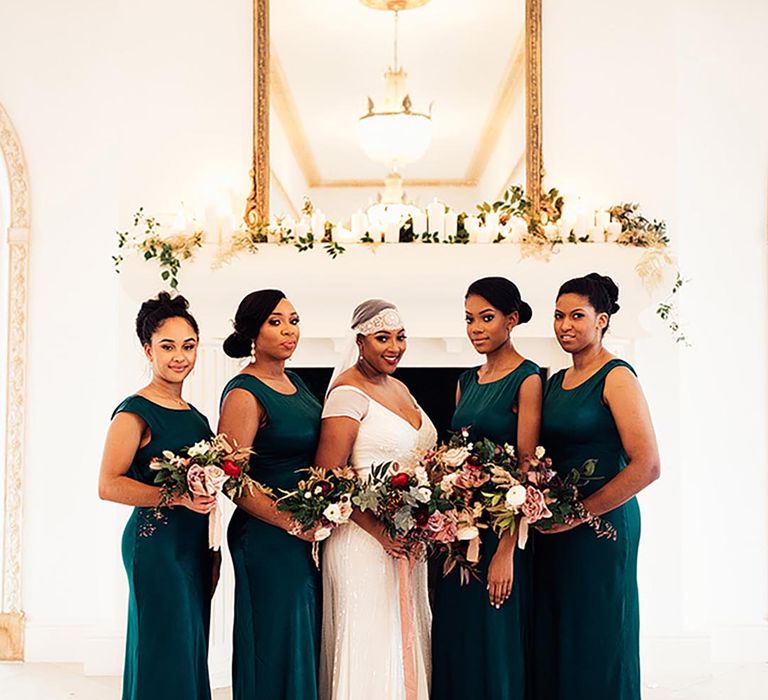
(456, 117)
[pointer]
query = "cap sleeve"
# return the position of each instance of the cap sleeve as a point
(138, 406)
(346, 402)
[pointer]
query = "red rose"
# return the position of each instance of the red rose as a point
(421, 516)
(231, 469)
(399, 481)
(324, 487)
(473, 460)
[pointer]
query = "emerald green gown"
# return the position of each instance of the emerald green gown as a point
(479, 652)
(586, 632)
(277, 586)
(169, 567)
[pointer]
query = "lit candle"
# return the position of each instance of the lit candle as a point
(302, 229)
(419, 223)
(451, 224)
(580, 225)
(318, 224)
(392, 232)
(564, 229)
(436, 218)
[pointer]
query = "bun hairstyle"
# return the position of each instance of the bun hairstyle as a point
(252, 313)
(503, 295)
(601, 291)
(154, 312)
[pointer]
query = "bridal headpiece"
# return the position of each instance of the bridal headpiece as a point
(376, 315)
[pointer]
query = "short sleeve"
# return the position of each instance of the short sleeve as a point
(136, 405)
(346, 402)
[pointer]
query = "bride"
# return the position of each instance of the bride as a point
(376, 618)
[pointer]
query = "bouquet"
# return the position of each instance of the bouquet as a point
(205, 469)
(489, 487)
(323, 500)
(540, 496)
(408, 505)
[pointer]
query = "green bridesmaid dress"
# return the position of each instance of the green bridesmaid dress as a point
(169, 567)
(479, 652)
(586, 631)
(277, 586)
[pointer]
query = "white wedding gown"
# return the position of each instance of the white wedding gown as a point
(361, 650)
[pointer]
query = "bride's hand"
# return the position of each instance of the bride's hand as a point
(392, 546)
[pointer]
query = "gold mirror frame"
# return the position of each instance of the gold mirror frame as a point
(257, 209)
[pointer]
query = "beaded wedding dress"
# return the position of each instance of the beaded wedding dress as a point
(369, 651)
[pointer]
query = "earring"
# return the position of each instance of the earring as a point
(253, 351)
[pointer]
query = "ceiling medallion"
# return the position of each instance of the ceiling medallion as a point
(394, 5)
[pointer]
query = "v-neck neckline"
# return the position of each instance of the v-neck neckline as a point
(394, 413)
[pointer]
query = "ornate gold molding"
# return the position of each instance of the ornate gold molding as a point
(525, 57)
(534, 169)
(11, 617)
(257, 209)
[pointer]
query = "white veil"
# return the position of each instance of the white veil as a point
(369, 317)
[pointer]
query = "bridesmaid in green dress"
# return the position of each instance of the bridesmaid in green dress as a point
(277, 586)
(479, 630)
(171, 571)
(586, 613)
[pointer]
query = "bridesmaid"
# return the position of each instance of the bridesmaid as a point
(587, 618)
(479, 630)
(170, 568)
(277, 587)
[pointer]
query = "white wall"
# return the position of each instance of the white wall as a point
(125, 104)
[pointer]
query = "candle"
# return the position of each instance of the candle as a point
(302, 229)
(318, 224)
(472, 225)
(519, 228)
(392, 232)
(451, 224)
(359, 224)
(485, 235)
(436, 218)
(595, 233)
(613, 231)
(551, 232)
(227, 226)
(419, 223)
(564, 229)
(344, 235)
(580, 225)
(602, 219)
(492, 223)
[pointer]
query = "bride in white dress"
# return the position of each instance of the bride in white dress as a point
(368, 650)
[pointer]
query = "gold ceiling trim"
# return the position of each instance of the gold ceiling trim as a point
(406, 183)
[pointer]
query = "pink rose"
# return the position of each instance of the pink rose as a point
(443, 528)
(196, 480)
(535, 507)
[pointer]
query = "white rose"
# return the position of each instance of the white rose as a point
(540, 451)
(421, 476)
(510, 450)
(468, 532)
(168, 455)
(515, 497)
(333, 513)
(198, 449)
(307, 494)
(456, 457)
(423, 494)
(322, 533)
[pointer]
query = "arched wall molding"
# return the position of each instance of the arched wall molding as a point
(11, 615)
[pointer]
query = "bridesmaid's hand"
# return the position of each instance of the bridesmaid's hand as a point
(501, 574)
(555, 529)
(198, 504)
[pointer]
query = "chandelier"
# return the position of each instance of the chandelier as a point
(395, 135)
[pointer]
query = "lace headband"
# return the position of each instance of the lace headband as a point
(386, 320)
